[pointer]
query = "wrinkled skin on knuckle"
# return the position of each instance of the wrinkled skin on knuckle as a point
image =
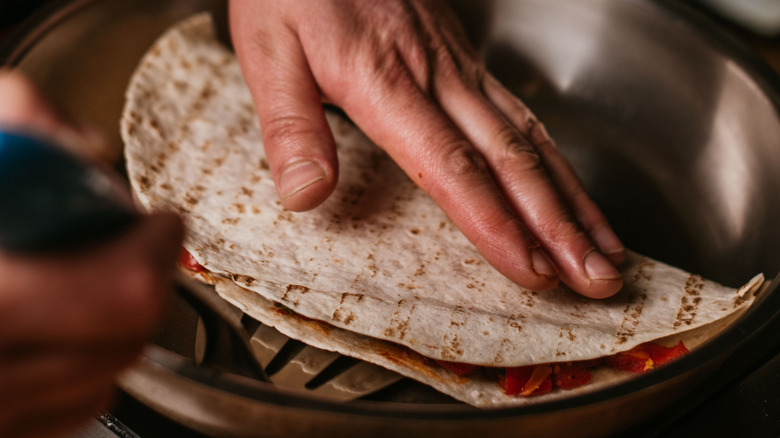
(391, 72)
(513, 154)
(282, 128)
(455, 162)
(461, 160)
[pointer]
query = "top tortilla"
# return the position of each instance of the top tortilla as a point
(379, 258)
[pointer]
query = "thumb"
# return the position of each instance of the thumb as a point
(298, 142)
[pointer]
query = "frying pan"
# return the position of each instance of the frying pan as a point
(673, 127)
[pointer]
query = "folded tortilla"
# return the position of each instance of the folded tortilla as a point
(379, 260)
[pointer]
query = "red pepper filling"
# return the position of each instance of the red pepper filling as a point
(571, 375)
(534, 380)
(645, 357)
(188, 261)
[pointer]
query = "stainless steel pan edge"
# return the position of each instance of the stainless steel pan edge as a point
(164, 385)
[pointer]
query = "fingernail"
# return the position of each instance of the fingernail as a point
(299, 175)
(542, 264)
(607, 240)
(599, 268)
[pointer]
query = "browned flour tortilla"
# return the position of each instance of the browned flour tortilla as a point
(379, 259)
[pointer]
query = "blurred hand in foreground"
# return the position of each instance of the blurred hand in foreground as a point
(70, 322)
(405, 73)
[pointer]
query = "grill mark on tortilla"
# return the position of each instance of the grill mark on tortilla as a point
(399, 322)
(636, 302)
(284, 216)
(738, 300)
(172, 146)
(452, 349)
(204, 96)
(353, 195)
(144, 182)
(458, 317)
(193, 196)
(515, 321)
(133, 121)
(578, 312)
(504, 345)
(154, 125)
(161, 160)
(180, 86)
(372, 265)
(247, 192)
(644, 270)
(565, 333)
(632, 313)
(343, 312)
(265, 252)
(689, 302)
(246, 280)
(240, 129)
(238, 207)
(293, 292)
(528, 297)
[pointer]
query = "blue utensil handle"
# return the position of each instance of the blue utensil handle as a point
(51, 199)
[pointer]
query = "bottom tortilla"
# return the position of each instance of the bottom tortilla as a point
(476, 389)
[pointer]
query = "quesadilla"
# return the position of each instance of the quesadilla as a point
(378, 265)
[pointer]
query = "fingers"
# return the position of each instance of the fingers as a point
(112, 293)
(530, 187)
(559, 169)
(406, 75)
(70, 323)
(435, 154)
(298, 143)
(23, 106)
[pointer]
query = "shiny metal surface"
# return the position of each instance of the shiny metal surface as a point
(674, 129)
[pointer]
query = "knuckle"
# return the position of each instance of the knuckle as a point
(462, 159)
(455, 162)
(283, 128)
(378, 65)
(514, 154)
(537, 132)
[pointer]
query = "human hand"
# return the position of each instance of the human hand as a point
(70, 322)
(405, 73)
